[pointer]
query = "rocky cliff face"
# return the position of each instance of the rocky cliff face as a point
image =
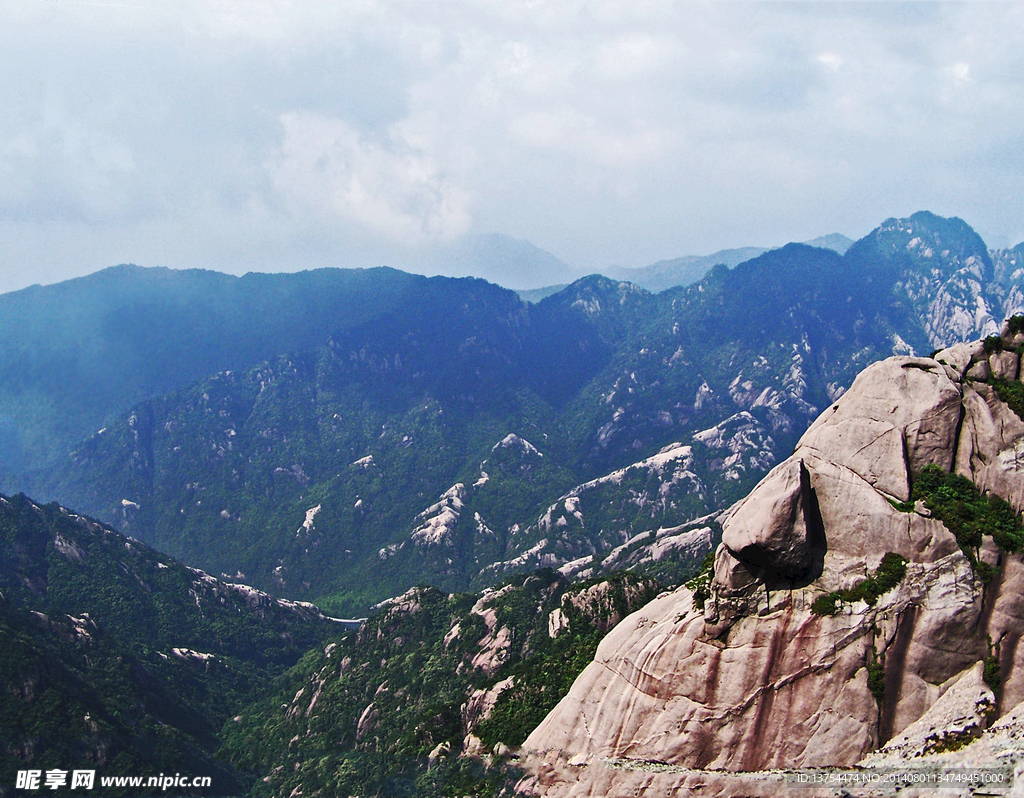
(842, 615)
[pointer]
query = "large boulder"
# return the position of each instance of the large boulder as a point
(777, 529)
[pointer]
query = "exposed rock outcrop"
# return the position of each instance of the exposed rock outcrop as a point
(761, 677)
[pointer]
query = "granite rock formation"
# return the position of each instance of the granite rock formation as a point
(753, 675)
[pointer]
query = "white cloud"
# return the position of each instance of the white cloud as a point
(831, 61)
(61, 166)
(392, 186)
(282, 133)
(960, 73)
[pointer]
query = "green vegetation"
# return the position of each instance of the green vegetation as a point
(876, 676)
(1011, 392)
(75, 355)
(994, 343)
(701, 583)
(544, 677)
(950, 741)
(826, 604)
(890, 572)
(114, 652)
(956, 501)
(903, 507)
(1015, 324)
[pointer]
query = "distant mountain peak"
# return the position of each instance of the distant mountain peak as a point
(951, 239)
(510, 262)
(595, 293)
(837, 242)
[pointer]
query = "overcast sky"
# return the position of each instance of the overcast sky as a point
(283, 135)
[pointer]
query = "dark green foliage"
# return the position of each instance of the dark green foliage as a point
(993, 669)
(993, 343)
(889, 574)
(903, 507)
(544, 676)
(876, 676)
(74, 697)
(1011, 392)
(95, 624)
(1015, 324)
(826, 604)
(701, 583)
(955, 501)
(993, 675)
(461, 776)
(951, 740)
(985, 572)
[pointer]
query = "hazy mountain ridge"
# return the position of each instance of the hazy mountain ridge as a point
(77, 354)
(682, 271)
(373, 460)
(689, 269)
(510, 262)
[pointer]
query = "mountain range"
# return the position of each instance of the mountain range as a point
(859, 623)
(517, 264)
(440, 429)
(689, 269)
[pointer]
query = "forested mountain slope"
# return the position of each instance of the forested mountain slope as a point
(77, 354)
(120, 659)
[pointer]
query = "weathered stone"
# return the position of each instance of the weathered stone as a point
(979, 371)
(1004, 332)
(991, 447)
(481, 702)
(862, 524)
(1004, 625)
(960, 356)
(1004, 365)
(776, 531)
(557, 622)
(897, 417)
(732, 577)
(963, 705)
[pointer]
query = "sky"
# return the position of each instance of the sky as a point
(276, 136)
